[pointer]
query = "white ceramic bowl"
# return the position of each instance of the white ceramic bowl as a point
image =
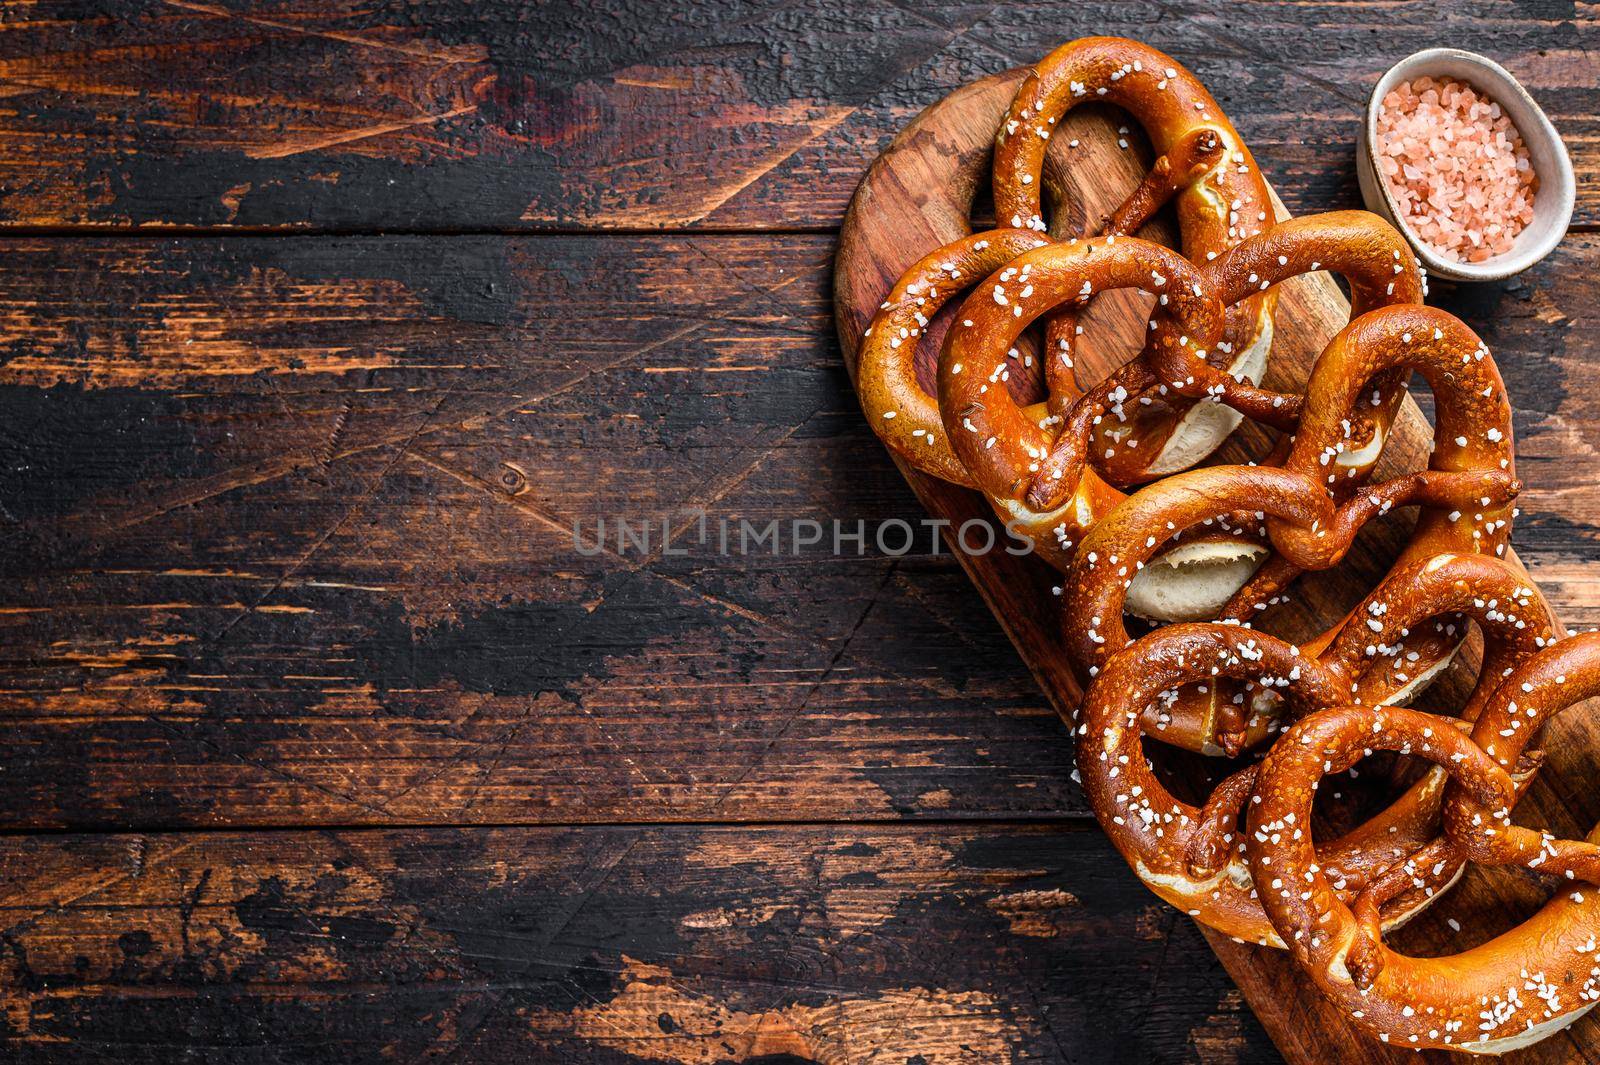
(1552, 204)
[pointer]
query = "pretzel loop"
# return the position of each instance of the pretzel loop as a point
(1141, 691)
(1471, 470)
(1225, 542)
(1185, 854)
(1508, 992)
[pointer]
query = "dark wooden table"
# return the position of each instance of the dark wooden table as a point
(324, 322)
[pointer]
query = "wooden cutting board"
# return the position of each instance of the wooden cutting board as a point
(918, 195)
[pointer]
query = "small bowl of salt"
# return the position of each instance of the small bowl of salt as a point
(1461, 159)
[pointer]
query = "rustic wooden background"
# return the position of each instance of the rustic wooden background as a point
(325, 320)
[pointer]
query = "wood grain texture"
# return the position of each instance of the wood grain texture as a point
(499, 114)
(287, 539)
(914, 199)
(349, 591)
(601, 945)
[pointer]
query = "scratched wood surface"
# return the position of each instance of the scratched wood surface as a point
(325, 741)
(619, 944)
(759, 114)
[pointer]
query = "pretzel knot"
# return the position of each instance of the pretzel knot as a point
(1508, 992)
(1193, 856)
(1311, 508)
(1052, 468)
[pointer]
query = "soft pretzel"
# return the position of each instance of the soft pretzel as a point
(1466, 494)
(1368, 252)
(1381, 272)
(1191, 855)
(1038, 466)
(943, 437)
(1472, 447)
(1203, 165)
(1507, 993)
(1372, 257)
(1005, 449)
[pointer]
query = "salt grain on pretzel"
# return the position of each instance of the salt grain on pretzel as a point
(1512, 991)
(1203, 165)
(1002, 447)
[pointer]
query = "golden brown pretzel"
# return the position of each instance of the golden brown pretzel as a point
(1509, 992)
(1002, 447)
(1331, 903)
(900, 411)
(939, 437)
(1191, 856)
(1373, 258)
(1197, 149)
(1466, 494)
(1220, 195)
(1472, 437)
(1467, 507)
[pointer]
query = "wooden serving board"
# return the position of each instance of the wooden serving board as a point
(918, 195)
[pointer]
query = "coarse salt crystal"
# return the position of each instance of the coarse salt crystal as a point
(1456, 167)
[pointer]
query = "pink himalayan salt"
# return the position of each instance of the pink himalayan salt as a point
(1456, 166)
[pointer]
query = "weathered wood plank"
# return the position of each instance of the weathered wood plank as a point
(346, 589)
(606, 945)
(449, 114)
(286, 537)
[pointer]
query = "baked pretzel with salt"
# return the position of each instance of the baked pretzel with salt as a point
(1197, 144)
(1193, 856)
(1210, 177)
(1509, 992)
(1005, 448)
(1449, 570)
